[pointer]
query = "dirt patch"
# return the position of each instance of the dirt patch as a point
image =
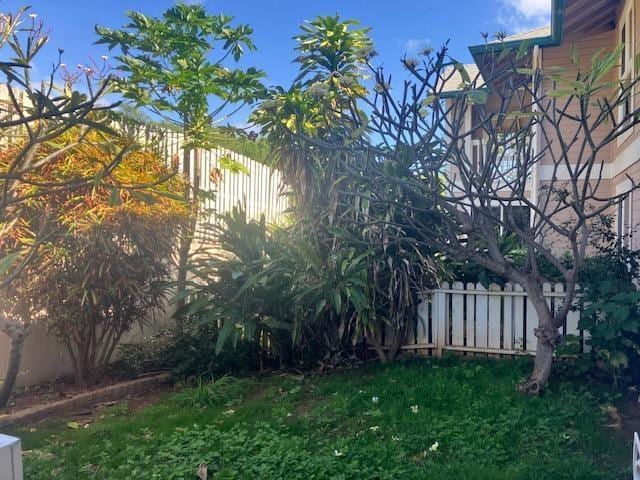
(130, 405)
(630, 413)
(86, 403)
(50, 392)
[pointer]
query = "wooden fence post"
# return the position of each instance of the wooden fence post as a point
(440, 318)
(636, 457)
(10, 458)
(422, 329)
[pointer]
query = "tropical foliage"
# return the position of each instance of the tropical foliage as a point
(319, 288)
(179, 66)
(174, 64)
(69, 104)
(108, 245)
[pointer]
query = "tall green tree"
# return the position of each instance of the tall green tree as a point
(313, 126)
(332, 55)
(180, 66)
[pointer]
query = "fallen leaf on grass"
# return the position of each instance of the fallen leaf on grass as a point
(202, 471)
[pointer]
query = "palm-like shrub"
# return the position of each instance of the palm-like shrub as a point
(277, 287)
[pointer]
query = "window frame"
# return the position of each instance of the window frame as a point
(625, 37)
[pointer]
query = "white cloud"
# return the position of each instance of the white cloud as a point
(522, 15)
(414, 46)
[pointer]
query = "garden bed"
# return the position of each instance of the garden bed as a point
(436, 419)
(27, 409)
(49, 392)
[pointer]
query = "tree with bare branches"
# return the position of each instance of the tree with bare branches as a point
(462, 197)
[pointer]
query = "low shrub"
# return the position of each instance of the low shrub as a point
(208, 393)
(188, 352)
(612, 313)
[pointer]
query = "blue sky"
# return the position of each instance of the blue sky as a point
(397, 26)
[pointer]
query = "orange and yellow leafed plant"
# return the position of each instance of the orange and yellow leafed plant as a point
(97, 181)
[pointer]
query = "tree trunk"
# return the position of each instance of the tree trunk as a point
(17, 334)
(398, 340)
(188, 231)
(186, 237)
(548, 336)
(378, 348)
(537, 381)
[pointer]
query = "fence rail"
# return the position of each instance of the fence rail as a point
(477, 320)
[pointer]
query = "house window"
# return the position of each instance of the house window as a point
(626, 66)
(477, 155)
(519, 215)
(507, 157)
(625, 221)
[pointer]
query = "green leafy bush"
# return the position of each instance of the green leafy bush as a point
(188, 352)
(313, 300)
(278, 285)
(612, 312)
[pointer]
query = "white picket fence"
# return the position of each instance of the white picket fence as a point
(477, 320)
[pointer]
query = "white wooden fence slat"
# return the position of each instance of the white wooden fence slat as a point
(457, 315)
(10, 458)
(422, 330)
(440, 318)
(470, 319)
(518, 319)
(636, 456)
(481, 318)
(532, 324)
(507, 318)
(494, 320)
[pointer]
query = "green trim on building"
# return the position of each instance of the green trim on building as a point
(553, 40)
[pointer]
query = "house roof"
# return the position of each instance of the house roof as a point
(567, 17)
(549, 36)
(590, 16)
(529, 35)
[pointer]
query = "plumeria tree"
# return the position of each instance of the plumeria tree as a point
(314, 126)
(332, 55)
(564, 119)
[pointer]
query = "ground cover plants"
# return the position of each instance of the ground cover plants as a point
(437, 419)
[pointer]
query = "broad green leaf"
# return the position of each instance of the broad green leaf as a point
(8, 261)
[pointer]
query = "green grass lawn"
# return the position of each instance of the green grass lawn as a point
(332, 427)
